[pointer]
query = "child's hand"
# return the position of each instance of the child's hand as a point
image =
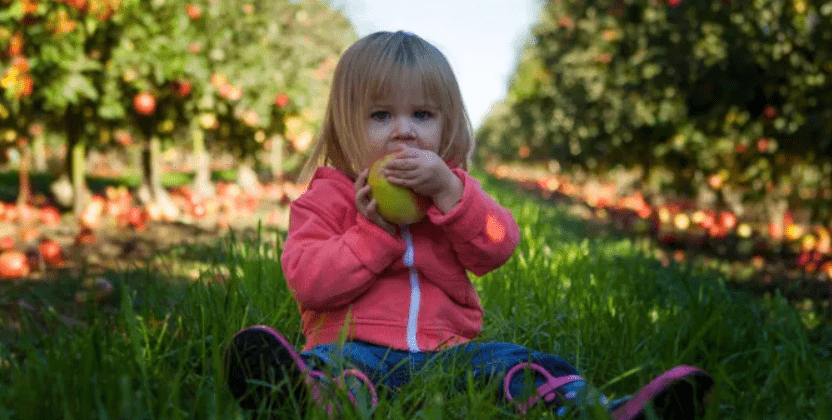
(423, 171)
(368, 207)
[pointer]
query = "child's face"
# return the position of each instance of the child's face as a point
(406, 117)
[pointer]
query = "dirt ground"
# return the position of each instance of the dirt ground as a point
(113, 246)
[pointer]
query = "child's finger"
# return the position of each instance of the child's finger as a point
(361, 198)
(374, 209)
(359, 181)
(378, 219)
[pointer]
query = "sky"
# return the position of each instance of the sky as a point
(481, 39)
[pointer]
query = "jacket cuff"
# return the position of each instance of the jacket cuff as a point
(468, 221)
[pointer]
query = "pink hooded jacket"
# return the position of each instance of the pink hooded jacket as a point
(407, 293)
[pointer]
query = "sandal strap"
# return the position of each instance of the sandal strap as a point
(319, 387)
(363, 378)
(316, 386)
(547, 390)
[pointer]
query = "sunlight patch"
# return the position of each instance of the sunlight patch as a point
(494, 229)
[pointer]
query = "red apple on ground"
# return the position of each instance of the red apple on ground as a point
(199, 210)
(85, 237)
(51, 252)
(6, 243)
(29, 234)
(27, 213)
(50, 216)
(13, 264)
(396, 204)
(135, 217)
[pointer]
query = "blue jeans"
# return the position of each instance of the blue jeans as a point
(394, 368)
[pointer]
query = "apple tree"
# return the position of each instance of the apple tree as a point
(717, 99)
(55, 50)
(148, 62)
(269, 65)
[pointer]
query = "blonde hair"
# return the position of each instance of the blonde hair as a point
(370, 67)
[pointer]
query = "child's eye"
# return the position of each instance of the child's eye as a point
(423, 115)
(380, 115)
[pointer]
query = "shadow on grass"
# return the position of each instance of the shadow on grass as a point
(158, 275)
(41, 182)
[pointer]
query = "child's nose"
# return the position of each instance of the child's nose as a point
(404, 128)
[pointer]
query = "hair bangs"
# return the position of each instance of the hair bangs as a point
(403, 61)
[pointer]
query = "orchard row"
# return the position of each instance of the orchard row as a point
(34, 248)
(219, 74)
(683, 226)
(724, 102)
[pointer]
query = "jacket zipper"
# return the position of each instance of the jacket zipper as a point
(415, 291)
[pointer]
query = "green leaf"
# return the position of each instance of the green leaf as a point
(77, 87)
(13, 13)
(53, 92)
(111, 110)
(50, 53)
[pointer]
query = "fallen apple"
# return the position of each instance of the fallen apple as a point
(396, 204)
(51, 252)
(6, 243)
(13, 264)
(85, 237)
(50, 216)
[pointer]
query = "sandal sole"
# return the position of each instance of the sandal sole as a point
(262, 354)
(677, 394)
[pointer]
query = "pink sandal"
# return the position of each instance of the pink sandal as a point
(549, 391)
(263, 355)
(679, 393)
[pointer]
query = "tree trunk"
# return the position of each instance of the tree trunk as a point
(151, 188)
(276, 157)
(247, 177)
(776, 207)
(155, 169)
(25, 190)
(62, 191)
(202, 163)
(78, 181)
(75, 167)
(39, 152)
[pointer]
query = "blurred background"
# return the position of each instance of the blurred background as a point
(669, 164)
(481, 39)
(703, 125)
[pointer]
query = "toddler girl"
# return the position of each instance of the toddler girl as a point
(400, 295)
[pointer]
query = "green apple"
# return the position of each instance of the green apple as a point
(396, 204)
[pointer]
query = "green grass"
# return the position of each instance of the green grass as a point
(617, 315)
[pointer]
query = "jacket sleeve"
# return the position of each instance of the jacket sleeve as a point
(327, 262)
(483, 233)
